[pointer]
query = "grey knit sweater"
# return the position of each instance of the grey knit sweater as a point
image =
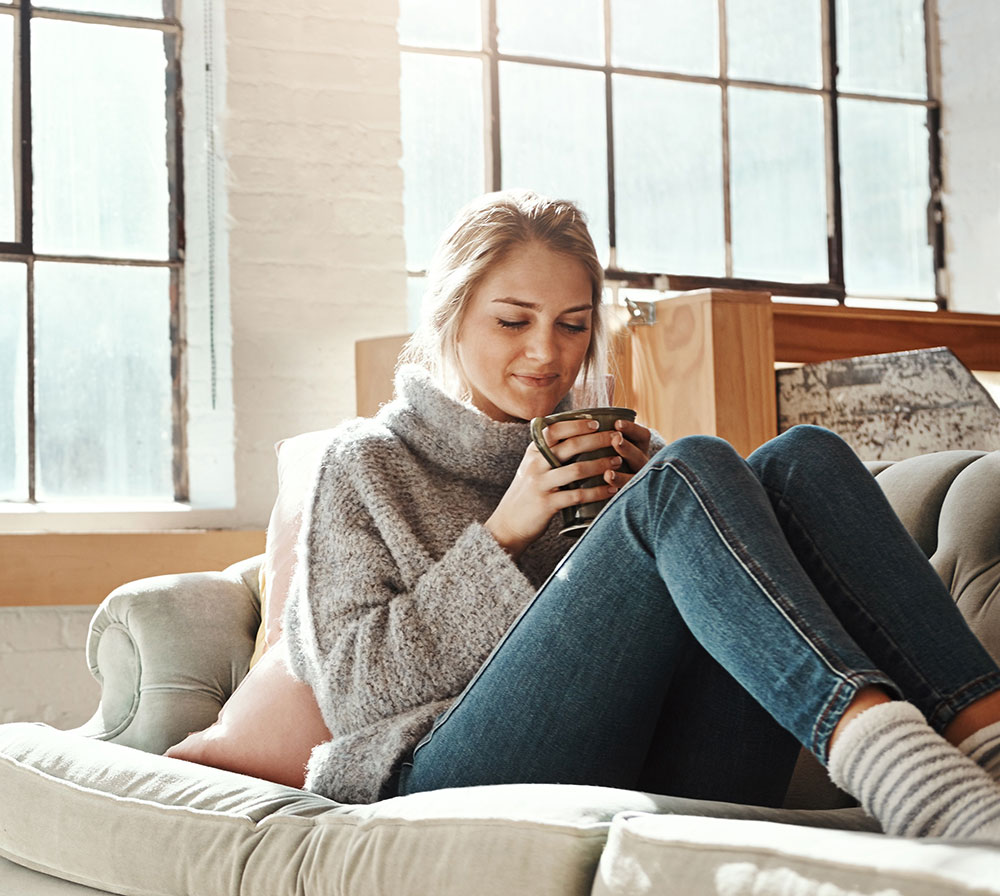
(400, 591)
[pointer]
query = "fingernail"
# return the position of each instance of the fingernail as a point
(616, 439)
(619, 424)
(594, 424)
(612, 489)
(616, 462)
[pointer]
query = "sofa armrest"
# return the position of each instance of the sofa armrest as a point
(168, 651)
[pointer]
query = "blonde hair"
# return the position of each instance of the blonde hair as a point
(480, 237)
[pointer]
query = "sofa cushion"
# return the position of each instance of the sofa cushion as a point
(267, 728)
(298, 464)
(649, 854)
(120, 819)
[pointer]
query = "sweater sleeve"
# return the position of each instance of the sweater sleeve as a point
(375, 624)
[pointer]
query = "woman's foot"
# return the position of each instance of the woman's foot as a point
(911, 780)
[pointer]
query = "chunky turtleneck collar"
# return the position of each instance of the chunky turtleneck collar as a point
(454, 434)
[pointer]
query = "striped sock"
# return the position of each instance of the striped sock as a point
(983, 748)
(911, 780)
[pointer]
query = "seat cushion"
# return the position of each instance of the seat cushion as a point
(16, 880)
(652, 854)
(116, 818)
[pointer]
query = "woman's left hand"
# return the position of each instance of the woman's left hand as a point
(633, 446)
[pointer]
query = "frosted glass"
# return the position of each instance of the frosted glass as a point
(671, 35)
(443, 154)
(778, 185)
(668, 176)
(881, 47)
(13, 382)
(552, 127)
(142, 9)
(885, 193)
(441, 23)
(780, 41)
(8, 221)
(103, 382)
(561, 29)
(100, 140)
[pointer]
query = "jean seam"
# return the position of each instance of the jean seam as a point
(763, 581)
(802, 532)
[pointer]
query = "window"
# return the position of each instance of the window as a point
(91, 249)
(788, 145)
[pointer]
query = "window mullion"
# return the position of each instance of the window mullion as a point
(727, 206)
(835, 236)
(491, 42)
(24, 143)
(609, 125)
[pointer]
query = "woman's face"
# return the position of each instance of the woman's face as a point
(525, 333)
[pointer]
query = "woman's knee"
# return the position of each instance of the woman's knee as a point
(803, 447)
(693, 449)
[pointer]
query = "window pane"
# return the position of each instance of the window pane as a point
(8, 229)
(668, 176)
(415, 287)
(562, 29)
(143, 9)
(443, 157)
(778, 185)
(885, 192)
(103, 382)
(562, 157)
(778, 41)
(100, 140)
(13, 382)
(441, 23)
(880, 47)
(672, 35)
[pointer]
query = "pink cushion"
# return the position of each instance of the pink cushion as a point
(270, 724)
(266, 729)
(298, 464)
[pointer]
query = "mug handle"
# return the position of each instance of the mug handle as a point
(537, 425)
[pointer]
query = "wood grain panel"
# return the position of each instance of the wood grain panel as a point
(706, 366)
(808, 334)
(374, 368)
(60, 569)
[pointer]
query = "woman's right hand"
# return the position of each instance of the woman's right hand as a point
(536, 493)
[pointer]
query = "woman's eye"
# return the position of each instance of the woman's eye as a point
(574, 328)
(511, 324)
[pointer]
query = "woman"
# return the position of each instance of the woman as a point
(716, 615)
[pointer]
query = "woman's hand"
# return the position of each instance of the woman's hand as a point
(633, 448)
(537, 493)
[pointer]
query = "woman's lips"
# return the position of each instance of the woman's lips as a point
(537, 380)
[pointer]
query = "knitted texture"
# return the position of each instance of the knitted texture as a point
(400, 592)
(983, 748)
(911, 780)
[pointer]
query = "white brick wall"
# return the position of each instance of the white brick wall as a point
(316, 251)
(43, 669)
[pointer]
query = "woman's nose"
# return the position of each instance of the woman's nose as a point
(541, 346)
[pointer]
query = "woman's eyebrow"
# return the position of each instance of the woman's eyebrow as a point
(533, 306)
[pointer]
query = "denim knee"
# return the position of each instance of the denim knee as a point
(694, 450)
(811, 450)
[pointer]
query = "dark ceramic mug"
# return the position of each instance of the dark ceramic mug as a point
(576, 519)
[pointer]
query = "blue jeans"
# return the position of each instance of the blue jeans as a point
(718, 613)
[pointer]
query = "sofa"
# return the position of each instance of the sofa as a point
(100, 810)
